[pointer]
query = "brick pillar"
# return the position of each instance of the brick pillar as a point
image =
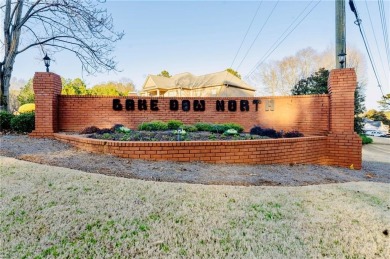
(344, 145)
(47, 87)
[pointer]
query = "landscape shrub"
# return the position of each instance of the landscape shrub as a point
(174, 124)
(190, 128)
(123, 130)
(256, 130)
(153, 126)
(230, 132)
(203, 126)
(271, 133)
(234, 126)
(292, 134)
(218, 128)
(5, 120)
(116, 127)
(90, 130)
(28, 107)
(104, 131)
(24, 122)
(365, 139)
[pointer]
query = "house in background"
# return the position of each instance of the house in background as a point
(374, 126)
(220, 84)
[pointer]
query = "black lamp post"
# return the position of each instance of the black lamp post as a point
(342, 59)
(46, 59)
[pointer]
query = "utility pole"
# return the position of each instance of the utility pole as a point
(340, 32)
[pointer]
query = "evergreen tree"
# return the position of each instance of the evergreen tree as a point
(318, 84)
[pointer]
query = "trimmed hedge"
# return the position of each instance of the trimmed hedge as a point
(203, 126)
(28, 107)
(24, 122)
(365, 139)
(153, 126)
(174, 124)
(5, 120)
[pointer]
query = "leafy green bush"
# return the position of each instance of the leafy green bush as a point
(5, 120)
(203, 126)
(24, 122)
(218, 128)
(153, 125)
(365, 139)
(174, 124)
(190, 128)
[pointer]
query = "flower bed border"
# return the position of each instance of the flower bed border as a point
(304, 150)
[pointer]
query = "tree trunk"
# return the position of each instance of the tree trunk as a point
(11, 42)
(5, 78)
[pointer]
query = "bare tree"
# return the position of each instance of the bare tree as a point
(279, 77)
(80, 27)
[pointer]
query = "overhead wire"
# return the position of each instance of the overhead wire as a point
(376, 41)
(384, 29)
(283, 36)
(358, 23)
(261, 29)
(246, 34)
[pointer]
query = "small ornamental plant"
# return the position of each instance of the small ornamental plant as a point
(231, 132)
(179, 132)
(124, 130)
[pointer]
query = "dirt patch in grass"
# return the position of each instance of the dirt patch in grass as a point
(50, 211)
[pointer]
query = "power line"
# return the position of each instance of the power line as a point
(358, 23)
(280, 40)
(376, 41)
(250, 25)
(261, 29)
(384, 29)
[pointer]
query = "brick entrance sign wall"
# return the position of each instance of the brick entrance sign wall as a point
(327, 120)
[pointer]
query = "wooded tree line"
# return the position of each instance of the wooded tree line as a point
(75, 87)
(279, 77)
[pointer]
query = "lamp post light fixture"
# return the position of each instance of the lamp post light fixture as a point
(46, 59)
(342, 59)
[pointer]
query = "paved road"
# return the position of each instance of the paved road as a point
(378, 151)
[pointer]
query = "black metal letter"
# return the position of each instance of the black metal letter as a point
(142, 105)
(244, 105)
(173, 105)
(257, 102)
(116, 105)
(153, 105)
(220, 105)
(130, 105)
(199, 106)
(232, 105)
(186, 105)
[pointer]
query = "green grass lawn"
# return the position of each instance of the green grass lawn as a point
(56, 212)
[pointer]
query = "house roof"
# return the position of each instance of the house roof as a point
(190, 81)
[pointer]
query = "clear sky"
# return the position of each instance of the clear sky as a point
(203, 37)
